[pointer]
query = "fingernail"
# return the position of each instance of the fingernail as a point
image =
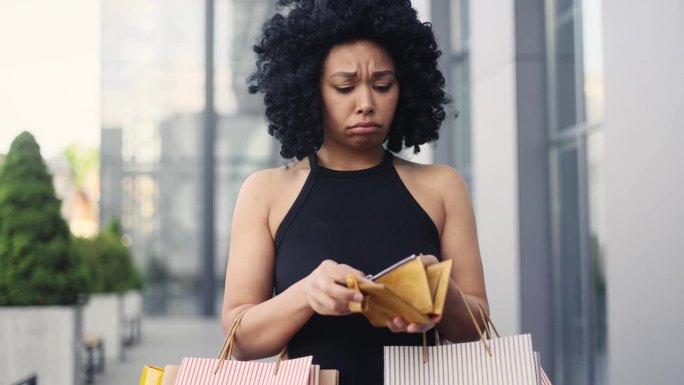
(358, 297)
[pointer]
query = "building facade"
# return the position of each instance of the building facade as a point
(567, 132)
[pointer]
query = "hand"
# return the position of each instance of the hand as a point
(326, 288)
(399, 325)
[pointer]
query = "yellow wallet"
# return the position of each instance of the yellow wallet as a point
(407, 289)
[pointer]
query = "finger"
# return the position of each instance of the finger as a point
(346, 269)
(324, 283)
(419, 328)
(393, 328)
(334, 297)
(400, 323)
(429, 259)
(342, 293)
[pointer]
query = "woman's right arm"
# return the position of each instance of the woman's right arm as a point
(271, 321)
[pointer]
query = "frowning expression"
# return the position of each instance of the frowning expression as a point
(359, 92)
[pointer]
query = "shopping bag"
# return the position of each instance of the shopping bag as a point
(224, 371)
(170, 374)
(151, 375)
(498, 361)
(512, 363)
(199, 371)
(329, 377)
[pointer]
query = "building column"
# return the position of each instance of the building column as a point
(495, 155)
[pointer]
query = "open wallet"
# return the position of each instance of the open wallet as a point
(407, 289)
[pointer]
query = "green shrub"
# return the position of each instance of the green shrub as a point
(109, 262)
(37, 265)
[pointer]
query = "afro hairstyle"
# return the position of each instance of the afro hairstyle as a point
(295, 43)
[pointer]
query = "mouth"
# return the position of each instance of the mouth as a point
(366, 124)
(364, 128)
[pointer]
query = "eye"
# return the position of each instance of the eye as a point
(383, 87)
(344, 90)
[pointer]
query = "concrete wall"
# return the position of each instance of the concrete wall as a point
(102, 316)
(644, 122)
(494, 141)
(131, 315)
(132, 306)
(45, 340)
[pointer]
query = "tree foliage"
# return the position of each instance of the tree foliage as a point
(109, 261)
(82, 160)
(37, 265)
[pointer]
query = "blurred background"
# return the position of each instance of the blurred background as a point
(570, 120)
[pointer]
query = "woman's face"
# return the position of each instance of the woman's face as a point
(359, 93)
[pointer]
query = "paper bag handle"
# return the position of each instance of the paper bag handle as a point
(227, 348)
(229, 342)
(485, 319)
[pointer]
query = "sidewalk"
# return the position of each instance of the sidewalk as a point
(165, 340)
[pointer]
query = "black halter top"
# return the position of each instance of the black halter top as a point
(366, 219)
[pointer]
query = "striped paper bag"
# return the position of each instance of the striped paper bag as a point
(323, 376)
(200, 371)
(498, 361)
(224, 371)
(512, 363)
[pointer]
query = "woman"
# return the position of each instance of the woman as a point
(343, 80)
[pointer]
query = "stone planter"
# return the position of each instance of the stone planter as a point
(132, 316)
(102, 317)
(45, 340)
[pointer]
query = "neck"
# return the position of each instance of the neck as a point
(346, 160)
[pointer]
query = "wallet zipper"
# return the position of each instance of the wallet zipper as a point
(391, 268)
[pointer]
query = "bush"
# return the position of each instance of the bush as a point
(109, 262)
(37, 265)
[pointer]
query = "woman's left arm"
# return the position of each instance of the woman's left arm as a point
(459, 244)
(444, 195)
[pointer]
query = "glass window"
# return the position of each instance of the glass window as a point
(461, 94)
(565, 81)
(459, 27)
(153, 89)
(459, 73)
(570, 270)
(597, 281)
(575, 92)
(564, 6)
(592, 25)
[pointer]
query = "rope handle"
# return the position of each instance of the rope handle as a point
(228, 344)
(484, 316)
(485, 319)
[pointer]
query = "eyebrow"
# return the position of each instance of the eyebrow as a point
(376, 74)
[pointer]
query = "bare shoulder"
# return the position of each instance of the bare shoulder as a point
(436, 187)
(439, 176)
(265, 183)
(269, 194)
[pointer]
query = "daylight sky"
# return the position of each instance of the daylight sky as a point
(50, 72)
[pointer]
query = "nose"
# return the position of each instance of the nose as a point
(365, 104)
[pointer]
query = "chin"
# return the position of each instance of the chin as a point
(366, 143)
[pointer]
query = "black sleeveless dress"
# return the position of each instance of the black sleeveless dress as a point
(366, 219)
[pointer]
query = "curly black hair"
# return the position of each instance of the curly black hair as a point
(293, 47)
